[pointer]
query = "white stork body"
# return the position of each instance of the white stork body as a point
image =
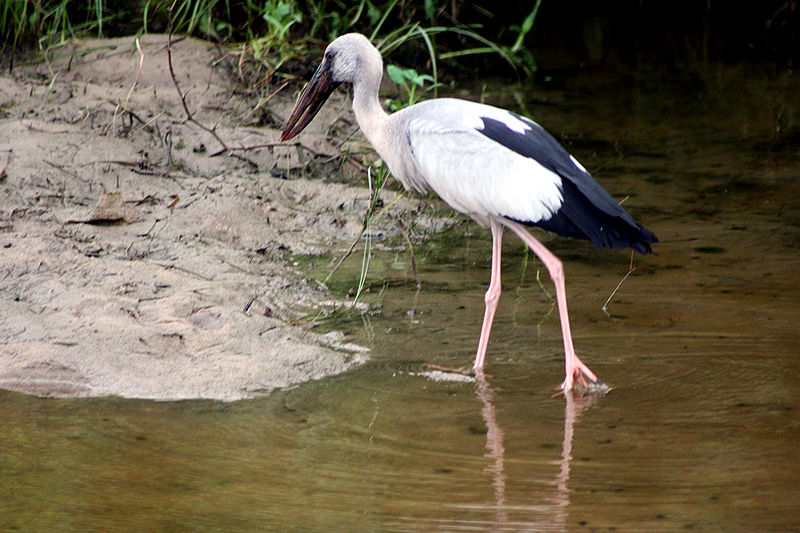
(469, 171)
(501, 169)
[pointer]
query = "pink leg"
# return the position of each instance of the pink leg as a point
(576, 370)
(492, 297)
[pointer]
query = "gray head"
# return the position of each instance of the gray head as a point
(350, 59)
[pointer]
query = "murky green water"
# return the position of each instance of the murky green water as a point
(702, 348)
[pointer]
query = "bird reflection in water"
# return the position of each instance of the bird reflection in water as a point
(495, 450)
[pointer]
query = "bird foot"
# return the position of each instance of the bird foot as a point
(583, 384)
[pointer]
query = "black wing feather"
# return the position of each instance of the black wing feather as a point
(588, 211)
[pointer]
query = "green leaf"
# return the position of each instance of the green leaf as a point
(429, 4)
(397, 74)
(373, 13)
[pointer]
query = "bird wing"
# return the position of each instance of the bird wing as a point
(469, 170)
(536, 143)
(486, 161)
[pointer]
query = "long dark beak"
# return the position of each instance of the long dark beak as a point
(310, 102)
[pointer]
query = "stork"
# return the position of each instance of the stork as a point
(500, 168)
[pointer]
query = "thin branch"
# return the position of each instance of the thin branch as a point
(181, 94)
(253, 147)
(347, 254)
(123, 106)
(3, 172)
(270, 95)
(410, 251)
(62, 169)
(631, 270)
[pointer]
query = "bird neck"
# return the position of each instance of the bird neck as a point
(369, 114)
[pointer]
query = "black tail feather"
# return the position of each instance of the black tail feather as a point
(581, 219)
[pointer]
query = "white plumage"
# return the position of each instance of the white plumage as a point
(500, 168)
(517, 187)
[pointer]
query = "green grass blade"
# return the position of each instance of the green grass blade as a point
(488, 44)
(382, 20)
(357, 16)
(98, 9)
(432, 54)
(526, 27)
(467, 52)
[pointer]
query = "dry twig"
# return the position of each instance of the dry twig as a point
(123, 106)
(181, 94)
(410, 251)
(3, 173)
(190, 116)
(631, 270)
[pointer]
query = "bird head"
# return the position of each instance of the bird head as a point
(343, 62)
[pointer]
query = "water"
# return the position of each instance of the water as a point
(701, 348)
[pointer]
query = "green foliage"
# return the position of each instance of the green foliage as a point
(410, 80)
(382, 176)
(189, 16)
(47, 21)
(375, 209)
(523, 54)
(283, 27)
(280, 16)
